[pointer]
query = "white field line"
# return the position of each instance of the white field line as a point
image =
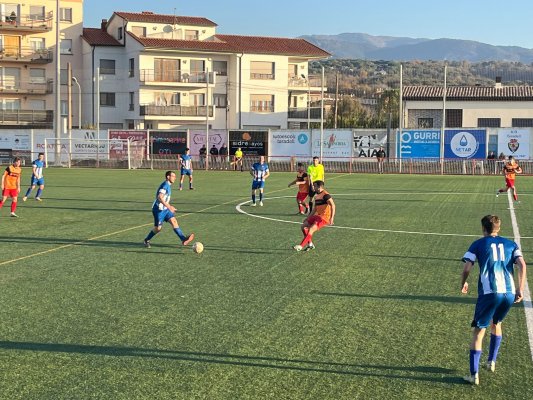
(528, 307)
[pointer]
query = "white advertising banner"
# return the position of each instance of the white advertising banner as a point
(336, 144)
(292, 143)
(82, 145)
(15, 141)
(514, 142)
(366, 143)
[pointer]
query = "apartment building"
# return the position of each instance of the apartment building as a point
(165, 71)
(27, 53)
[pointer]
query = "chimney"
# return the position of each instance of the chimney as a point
(103, 24)
(498, 83)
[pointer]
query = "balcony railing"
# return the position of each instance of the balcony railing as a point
(25, 54)
(304, 113)
(301, 82)
(33, 87)
(175, 111)
(42, 118)
(175, 76)
(27, 22)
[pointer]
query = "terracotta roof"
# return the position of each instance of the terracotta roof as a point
(98, 37)
(469, 93)
(147, 16)
(241, 44)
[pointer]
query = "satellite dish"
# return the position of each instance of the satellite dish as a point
(168, 28)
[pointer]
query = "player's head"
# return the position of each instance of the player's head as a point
(511, 158)
(318, 186)
(490, 224)
(262, 159)
(16, 161)
(170, 176)
(300, 166)
(187, 150)
(40, 156)
(315, 160)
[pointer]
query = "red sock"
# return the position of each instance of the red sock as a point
(515, 196)
(306, 240)
(13, 207)
(305, 231)
(1, 204)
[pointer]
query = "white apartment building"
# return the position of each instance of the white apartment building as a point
(27, 59)
(164, 71)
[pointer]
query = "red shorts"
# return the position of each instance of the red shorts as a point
(315, 219)
(509, 182)
(301, 196)
(10, 193)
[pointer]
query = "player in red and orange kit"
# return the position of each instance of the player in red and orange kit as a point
(302, 180)
(510, 169)
(11, 185)
(323, 214)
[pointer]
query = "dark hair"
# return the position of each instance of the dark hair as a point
(168, 173)
(490, 223)
(187, 149)
(319, 183)
(299, 164)
(316, 158)
(40, 154)
(16, 159)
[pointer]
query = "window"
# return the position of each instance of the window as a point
(65, 14)
(197, 99)
(66, 46)
(131, 72)
(220, 100)
(191, 34)
(37, 44)
(37, 13)
(262, 103)
(132, 101)
(107, 67)
(488, 122)
(139, 31)
(37, 75)
(425, 123)
(261, 70)
(107, 99)
(11, 104)
(64, 108)
(119, 33)
(220, 67)
(63, 77)
(522, 122)
(9, 78)
(166, 70)
(197, 66)
(293, 70)
(454, 118)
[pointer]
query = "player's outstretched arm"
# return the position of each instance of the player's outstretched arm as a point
(521, 279)
(464, 276)
(332, 204)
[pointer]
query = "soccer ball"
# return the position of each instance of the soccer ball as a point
(197, 247)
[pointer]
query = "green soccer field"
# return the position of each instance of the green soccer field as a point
(375, 312)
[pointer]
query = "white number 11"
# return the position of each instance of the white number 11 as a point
(495, 252)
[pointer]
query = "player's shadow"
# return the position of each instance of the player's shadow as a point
(406, 297)
(414, 257)
(416, 373)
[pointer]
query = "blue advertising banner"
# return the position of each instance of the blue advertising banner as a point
(419, 144)
(466, 143)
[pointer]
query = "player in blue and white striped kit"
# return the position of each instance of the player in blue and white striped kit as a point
(37, 178)
(186, 168)
(163, 211)
(260, 173)
(496, 257)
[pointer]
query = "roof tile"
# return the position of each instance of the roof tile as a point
(164, 18)
(469, 93)
(98, 37)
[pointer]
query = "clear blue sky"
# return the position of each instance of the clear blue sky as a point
(489, 21)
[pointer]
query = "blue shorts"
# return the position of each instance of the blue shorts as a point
(492, 307)
(36, 181)
(258, 185)
(161, 216)
(186, 172)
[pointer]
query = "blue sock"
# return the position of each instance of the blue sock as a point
(253, 198)
(28, 192)
(150, 235)
(180, 234)
(260, 196)
(39, 191)
(475, 355)
(495, 342)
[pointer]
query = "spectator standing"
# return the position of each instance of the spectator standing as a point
(223, 153)
(203, 155)
(380, 156)
(214, 157)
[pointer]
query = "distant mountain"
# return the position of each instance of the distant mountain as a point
(368, 47)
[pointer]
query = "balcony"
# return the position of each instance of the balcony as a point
(175, 111)
(176, 77)
(11, 86)
(26, 23)
(314, 83)
(26, 55)
(313, 113)
(27, 118)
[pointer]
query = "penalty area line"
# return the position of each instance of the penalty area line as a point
(528, 306)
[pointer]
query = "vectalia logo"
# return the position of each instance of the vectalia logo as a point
(302, 138)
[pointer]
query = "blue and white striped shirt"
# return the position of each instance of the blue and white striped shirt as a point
(259, 171)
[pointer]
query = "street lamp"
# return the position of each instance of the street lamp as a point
(79, 100)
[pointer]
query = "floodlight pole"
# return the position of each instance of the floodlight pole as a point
(57, 119)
